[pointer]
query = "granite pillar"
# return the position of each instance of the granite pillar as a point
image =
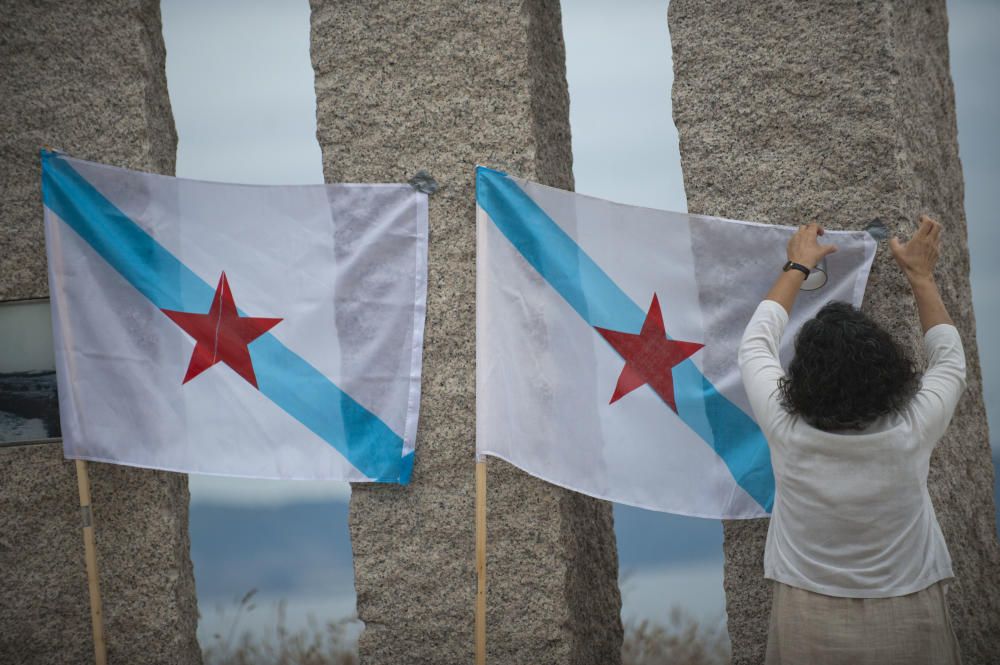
(843, 112)
(443, 85)
(86, 77)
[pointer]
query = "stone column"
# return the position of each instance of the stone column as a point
(404, 85)
(843, 112)
(86, 77)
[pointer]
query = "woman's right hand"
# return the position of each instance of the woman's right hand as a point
(918, 256)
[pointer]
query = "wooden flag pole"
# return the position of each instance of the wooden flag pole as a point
(90, 554)
(481, 562)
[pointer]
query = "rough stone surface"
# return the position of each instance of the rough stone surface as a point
(843, 112)
(86, 77)
(443, 85)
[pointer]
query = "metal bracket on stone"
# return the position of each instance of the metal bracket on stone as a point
(876, 229)
(424, 182)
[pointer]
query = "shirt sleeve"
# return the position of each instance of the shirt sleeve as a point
(759, 363)
(942, 384)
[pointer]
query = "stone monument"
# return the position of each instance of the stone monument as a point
(844, 112)
(441, 85)
(87, 77)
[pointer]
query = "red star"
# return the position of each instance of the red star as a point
(649, 356)
(221, 335)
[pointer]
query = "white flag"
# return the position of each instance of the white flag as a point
(269, 332)
(606, 342)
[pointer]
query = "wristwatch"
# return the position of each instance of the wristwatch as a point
(791, 265)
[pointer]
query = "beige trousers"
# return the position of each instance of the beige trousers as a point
(813, 629)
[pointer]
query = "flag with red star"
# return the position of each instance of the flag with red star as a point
(606, 344)
(257, 331)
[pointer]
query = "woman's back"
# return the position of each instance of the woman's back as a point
(852, 516)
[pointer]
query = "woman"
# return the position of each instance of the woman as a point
(858, 561)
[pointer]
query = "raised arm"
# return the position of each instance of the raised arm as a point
(944, 380)
(917, 258)
(758, 353)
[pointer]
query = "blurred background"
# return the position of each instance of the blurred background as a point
(269, 554)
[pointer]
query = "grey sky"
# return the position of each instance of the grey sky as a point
(620, 72)
(975, 54)
(241, 88)
(26, 337)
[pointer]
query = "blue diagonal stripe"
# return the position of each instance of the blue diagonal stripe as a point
(283, 376)
(733, 434)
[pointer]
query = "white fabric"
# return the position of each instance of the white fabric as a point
(852, 516)
(343, 266)
(545, 376)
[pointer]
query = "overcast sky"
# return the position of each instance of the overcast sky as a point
(241, 87)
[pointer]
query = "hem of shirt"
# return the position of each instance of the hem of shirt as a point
(842, 592)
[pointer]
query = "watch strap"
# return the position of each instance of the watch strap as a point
(791, 265)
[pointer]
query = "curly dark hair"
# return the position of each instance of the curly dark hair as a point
(847, 371)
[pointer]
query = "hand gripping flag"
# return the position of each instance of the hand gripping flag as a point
(606, 343)
(268, 332)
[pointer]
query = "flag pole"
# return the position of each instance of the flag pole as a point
(481, 561)
(90, 554)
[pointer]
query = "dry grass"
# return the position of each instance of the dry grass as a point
(315, 645)
(681, 641)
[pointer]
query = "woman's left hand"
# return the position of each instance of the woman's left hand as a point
(804, 247)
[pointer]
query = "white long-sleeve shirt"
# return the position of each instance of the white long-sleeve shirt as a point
(852, 516)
